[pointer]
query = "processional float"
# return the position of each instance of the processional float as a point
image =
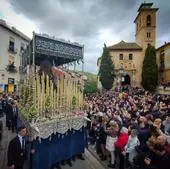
(51, 97)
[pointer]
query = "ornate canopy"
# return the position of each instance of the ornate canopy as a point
(57, 51)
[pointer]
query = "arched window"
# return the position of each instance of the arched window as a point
(148, 20)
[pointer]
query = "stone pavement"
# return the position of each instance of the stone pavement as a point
(90, 161)
(6, 138)
(92, 150)
(93, 161)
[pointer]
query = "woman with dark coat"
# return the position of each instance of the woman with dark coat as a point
(143, 131)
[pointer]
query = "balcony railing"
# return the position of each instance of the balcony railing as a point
(11, 68)
(12, 50)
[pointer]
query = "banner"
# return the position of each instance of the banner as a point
(10, 88)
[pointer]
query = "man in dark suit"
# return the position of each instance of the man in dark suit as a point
(14, 115)
(9, 114)
(17, 150)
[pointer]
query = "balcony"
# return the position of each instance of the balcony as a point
(12, 50)
(11, 68)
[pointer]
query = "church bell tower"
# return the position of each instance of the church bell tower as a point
(146, 25)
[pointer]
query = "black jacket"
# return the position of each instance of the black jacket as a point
(9, 112)
(16, 155)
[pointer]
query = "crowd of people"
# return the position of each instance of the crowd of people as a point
(130, 126)
(17, 152)
(9, 109)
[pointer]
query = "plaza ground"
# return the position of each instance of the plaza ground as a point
(90, 161)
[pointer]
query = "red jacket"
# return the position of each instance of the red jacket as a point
(121, 141)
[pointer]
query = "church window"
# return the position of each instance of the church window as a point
(130, 56)
(121, 57)
(148, 20)
(148, 34)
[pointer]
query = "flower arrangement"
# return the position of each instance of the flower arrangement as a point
(40, 102)
(73, 102)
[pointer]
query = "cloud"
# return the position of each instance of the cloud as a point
(91, 23)
(19, 21)
(77, 17)
(163, 17)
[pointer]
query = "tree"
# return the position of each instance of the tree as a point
(150, 70)
(90, 87)
(106, 71)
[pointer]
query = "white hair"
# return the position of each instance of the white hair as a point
(124, 130)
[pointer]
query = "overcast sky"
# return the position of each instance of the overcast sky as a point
(88, 22)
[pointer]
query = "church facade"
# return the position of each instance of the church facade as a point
(128, 56)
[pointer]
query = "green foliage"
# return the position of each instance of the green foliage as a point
(27, 106)
(106, 72)
(32, 114)
(98, 61)
(90, 87)
(150, 70)
(47, 103)
(73, 102)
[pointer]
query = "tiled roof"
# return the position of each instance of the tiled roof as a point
(164, 45)
(125, 46)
